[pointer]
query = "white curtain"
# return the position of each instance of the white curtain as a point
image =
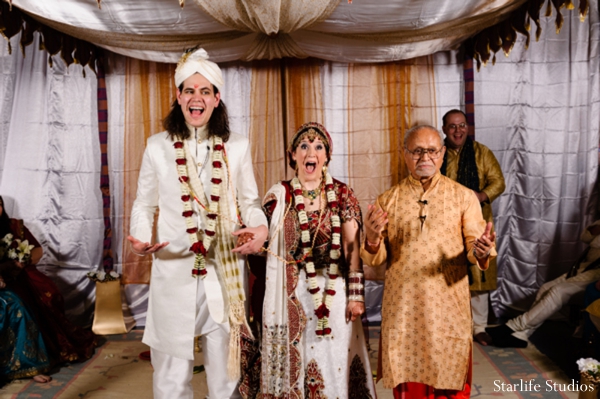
(538, 111)
(50, 166)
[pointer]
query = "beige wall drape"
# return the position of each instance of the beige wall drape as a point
(266, 124)
(384, 101)
(303, 98)
(149, 93)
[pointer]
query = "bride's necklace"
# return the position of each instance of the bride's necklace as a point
(312, 194)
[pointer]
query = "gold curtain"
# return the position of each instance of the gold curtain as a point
(384, 101)
(285, 95)
(266, 126)
(303, 98)
(149, 93)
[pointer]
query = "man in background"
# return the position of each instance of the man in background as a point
(553, 294)
(474, 166)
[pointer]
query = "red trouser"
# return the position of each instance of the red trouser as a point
(417, 390)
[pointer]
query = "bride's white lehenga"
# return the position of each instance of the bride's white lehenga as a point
(296, 363)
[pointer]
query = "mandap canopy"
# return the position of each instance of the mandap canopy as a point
(77, 108)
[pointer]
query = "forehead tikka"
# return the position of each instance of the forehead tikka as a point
(311, 135)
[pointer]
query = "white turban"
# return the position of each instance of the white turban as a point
(197, 62)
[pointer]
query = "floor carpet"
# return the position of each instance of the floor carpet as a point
(117, 372)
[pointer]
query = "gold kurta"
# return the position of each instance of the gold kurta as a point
(491, 182)
(426, 314)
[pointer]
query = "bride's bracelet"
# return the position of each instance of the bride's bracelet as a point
(356, 286)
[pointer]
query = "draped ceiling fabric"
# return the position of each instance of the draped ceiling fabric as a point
(363, 31)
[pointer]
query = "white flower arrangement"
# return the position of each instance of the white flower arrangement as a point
(15, 249)
(590, 368)
(103, 277)
(7, 239)
(5, 244)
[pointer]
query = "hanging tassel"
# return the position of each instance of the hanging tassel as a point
(235, 355)
(237, 318)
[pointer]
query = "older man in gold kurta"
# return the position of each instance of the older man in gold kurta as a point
(474, 165)
(426, 228)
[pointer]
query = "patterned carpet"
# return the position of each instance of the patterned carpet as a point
(117, 372)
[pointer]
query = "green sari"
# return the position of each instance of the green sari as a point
(22, 353)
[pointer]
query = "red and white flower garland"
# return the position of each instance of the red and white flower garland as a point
(322, 300)
(200, 247)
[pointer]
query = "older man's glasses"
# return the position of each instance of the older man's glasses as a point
(420, 153)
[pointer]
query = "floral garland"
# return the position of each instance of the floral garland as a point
(322, 301)
(200, 247)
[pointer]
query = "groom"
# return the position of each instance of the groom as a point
(199, 176)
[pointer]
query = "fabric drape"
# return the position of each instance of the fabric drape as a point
(384, 101)
(149, 93)
(250, 30)
(51, 167)
(538, 112)
(303, 98)
(266, 118)
(268, 17)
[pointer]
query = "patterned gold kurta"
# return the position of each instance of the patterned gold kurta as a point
(491, 182)
(426, 314)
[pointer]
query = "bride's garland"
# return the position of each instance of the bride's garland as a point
(322, 300)
(200, 247)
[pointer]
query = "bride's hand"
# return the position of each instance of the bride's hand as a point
(354, 310)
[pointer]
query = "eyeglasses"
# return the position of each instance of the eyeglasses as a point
(420, 152)
(454, 127)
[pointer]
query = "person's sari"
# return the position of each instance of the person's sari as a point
(65, 341)
(22, 350)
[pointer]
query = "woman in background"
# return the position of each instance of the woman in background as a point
(22, 352)
(64, 341)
